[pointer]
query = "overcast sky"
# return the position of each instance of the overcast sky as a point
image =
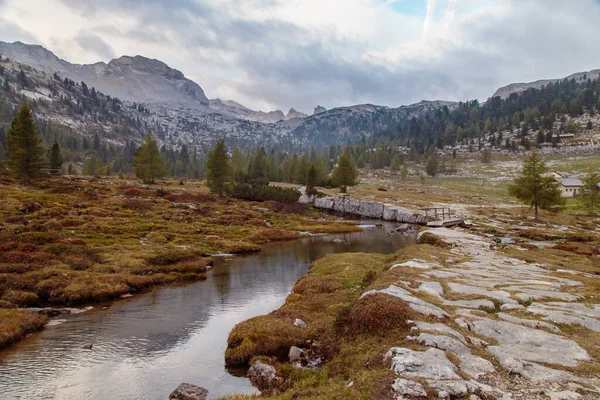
(269, 54)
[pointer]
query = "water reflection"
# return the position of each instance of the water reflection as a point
(147, 345)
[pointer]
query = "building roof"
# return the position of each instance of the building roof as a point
(572, 182)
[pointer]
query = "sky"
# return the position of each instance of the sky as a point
(278, 54)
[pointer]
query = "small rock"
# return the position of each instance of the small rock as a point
(296, 354)
(564, 395)
(402, 228)
(87, 346)
(299, 323)
(443, 394)
(187, 391)
(126, 295)
(262, 375)
(350, 384)
(411, 389)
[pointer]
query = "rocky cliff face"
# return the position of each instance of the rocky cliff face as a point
(507, 90)
(369, 209)
(319, 110)
(136, 79)
(236, 110)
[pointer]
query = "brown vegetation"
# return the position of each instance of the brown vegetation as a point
(65, 242)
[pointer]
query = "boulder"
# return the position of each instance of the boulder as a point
(369, 209)
(187, 391)
(408, 388)
(299, 323)
(296, 354)
(262, 376)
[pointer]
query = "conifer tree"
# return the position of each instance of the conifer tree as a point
(55, 157)
(404, 173)
(431, 166)
(395, 164)
(218, 174)
(311, 180)
(535, 187)
(148, 162)
(344, 174)
(486, 156)
(24, 147)
(590, 192)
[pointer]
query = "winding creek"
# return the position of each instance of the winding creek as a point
(147, 345)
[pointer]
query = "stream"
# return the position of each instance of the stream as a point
(146, 345)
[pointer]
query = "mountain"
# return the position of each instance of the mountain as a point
(136, 79)
(123, 100)
(507, 90)
(319, 110)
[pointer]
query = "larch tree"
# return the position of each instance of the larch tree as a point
(219, 171)
(55, 158)
(344, 174)
(148, 162)
(25, 152)
(533, 186)
(589, 196)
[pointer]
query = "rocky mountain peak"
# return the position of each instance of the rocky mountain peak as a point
(319, 110)
(295, 114)
(130, 78)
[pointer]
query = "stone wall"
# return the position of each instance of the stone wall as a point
(369, 209)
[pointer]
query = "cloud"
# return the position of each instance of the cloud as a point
(94, 44)
(10, 32)
(299, 53)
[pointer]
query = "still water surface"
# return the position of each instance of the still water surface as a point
(147, 345)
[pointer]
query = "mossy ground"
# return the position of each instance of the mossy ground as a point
(350, 333)
(66, 242)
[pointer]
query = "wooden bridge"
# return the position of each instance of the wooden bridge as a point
(439, 217)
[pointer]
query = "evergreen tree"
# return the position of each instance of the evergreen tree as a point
(301, 170)
(486, 156)
(395, 164)
(431, 166)
(55, 157)
(344, 174)
(311, 180)
(534, 187)
(24, 147)
(22, 78)
(590, 192)
(148, 163)
(257, 169)
(403, 173)
(218, 175)
(92, 167)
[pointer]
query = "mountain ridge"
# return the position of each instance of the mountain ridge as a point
(517, 87)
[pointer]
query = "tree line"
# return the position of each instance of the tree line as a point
(27, 157)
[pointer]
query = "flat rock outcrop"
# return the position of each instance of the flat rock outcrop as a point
(497, 316)
(369, 209)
